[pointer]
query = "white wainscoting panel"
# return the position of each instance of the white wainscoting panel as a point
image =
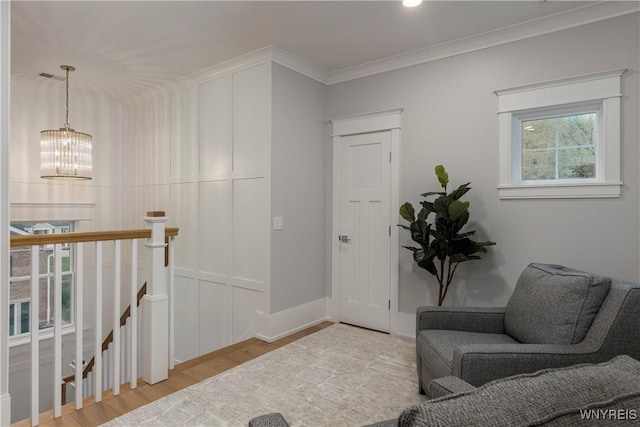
(249, 233)
(215, 128)
(215, 227)
(250, 118)
(184, 133)
(186, 320)
(184, 202)
(214, 316)
(161, 140)
(244, 305)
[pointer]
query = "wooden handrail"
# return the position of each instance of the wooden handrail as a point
(85, 236)
(105, 344)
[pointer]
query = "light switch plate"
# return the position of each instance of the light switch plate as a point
(278, 223)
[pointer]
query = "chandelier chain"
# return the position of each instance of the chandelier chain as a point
(66, 123)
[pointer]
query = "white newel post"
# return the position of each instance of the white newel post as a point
(155, 307)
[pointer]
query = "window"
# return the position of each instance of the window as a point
(561, 139)
(20, 279)
(19, 317)
(557, 145)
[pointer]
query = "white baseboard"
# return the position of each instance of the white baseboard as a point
(5, 410)
(271, 327)
(407, 325)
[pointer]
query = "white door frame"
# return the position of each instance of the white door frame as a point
(388, 120)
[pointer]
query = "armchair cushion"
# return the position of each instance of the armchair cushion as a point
(437, 347)
(555, 397)
(552, 304)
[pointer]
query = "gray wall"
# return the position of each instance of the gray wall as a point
(450, 118)
(298, 183)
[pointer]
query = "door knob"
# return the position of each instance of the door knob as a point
(344, 238)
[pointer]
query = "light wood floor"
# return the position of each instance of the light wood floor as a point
(184, 375)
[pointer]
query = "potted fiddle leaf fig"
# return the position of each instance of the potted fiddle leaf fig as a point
(442, 245)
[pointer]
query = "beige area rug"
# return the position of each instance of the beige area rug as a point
(339, 376)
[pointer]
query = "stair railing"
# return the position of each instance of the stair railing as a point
(88, 367)
(157, 327)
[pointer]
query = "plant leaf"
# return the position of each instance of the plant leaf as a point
(433, 193)
(457, 209)
(420, 232)
(407, 212)
(441, 206)
(460, 191)
(443, 177)
(424, 214)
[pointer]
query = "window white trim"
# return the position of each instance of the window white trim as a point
(604, 88)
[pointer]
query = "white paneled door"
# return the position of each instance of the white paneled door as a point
(365, 221)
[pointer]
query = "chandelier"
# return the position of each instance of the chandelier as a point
(65, 153)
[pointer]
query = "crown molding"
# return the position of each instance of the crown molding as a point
(299, 65)
(537, 27)
(247, 60)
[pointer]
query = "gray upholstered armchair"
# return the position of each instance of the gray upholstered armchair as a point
(556, 317)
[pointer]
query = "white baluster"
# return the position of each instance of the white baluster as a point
(97, 365)
(133, 343)
(123, 354)
(34, 316)
(57, 331)
(79, 322)
(127, 353)
(89, 384)
(107, 368)
(116, 321)
(172, 296)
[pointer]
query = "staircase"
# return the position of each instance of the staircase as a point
(156, 356)
(68, 380)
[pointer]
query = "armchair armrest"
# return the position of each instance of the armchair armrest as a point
(471, 319)
(480, 363)
(448, 385)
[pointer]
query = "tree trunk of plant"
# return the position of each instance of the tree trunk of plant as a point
(444, 286)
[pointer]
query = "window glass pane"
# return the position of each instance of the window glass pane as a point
(12, 314)
(538, 134)
(538, 165)
(562, 147)
(67, 282)
(24, 317)
(66, 259)
(576, 163)
(578, 130)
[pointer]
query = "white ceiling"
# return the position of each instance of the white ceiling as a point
(121, 48)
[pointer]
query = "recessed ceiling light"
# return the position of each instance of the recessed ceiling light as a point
(411, 3)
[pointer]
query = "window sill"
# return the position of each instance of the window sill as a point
(44, 335)
(561, 191)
